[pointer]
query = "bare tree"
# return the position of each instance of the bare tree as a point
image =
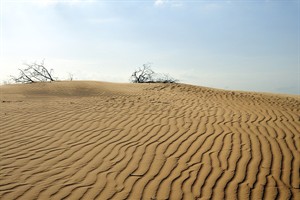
(71, 77)
(34, 73)
(147, 75)
(165, 78)
(143, 75)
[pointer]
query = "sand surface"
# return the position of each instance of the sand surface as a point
(95, 140)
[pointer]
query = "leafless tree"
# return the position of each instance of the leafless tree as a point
(143, 75)
(165, 78)
(147, 75)
(71, 77)
(34, 73)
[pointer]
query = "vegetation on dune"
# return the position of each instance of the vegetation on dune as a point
(146, 75)
(37, 72)
(34, 73)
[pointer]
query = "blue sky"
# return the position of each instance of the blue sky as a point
(237, 45)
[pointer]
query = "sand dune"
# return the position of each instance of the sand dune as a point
(95, 140)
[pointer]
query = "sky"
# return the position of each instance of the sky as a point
(250, 45)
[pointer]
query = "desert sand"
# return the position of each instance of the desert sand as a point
(97, 140)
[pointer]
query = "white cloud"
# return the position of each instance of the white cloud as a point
(45, 3)
(159, 2)
(171, 3)
(212, 7)
(177, 5)
(102, 20)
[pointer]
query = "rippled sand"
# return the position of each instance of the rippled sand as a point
(95, 140)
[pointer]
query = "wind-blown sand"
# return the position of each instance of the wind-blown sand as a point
(95, 140)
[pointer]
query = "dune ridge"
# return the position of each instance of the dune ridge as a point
(97, 140)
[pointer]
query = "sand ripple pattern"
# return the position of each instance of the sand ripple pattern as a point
(152, 141)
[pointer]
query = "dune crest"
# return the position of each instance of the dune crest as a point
(97, 140)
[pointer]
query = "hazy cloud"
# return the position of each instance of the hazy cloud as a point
(102, 20)
(160, 2)
(55, 2)
(212, 6)
(177, 4)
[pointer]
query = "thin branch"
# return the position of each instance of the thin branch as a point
(34, 73)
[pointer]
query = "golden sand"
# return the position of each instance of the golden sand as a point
(95, 140)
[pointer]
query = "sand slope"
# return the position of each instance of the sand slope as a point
(94, 140)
